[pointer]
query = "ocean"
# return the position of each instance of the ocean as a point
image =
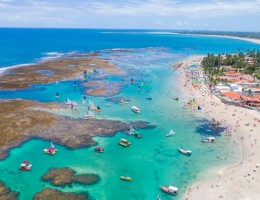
(151, 161)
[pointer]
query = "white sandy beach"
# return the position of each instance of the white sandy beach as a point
(254, 40)
(242, 180)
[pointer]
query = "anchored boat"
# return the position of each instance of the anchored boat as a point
(25, 166)
(99, 149)
(171, 132)
(208, 140)
(124, 142)
(185, 152)
(51, 150)
(170, 190)
(135, 109)
(125, 178)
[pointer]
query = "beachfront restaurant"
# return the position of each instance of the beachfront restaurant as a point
(253, 101)
(231, 96)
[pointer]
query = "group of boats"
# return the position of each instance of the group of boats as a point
(132, 131)
(26, 165)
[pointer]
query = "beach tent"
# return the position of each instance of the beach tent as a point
(199, 108)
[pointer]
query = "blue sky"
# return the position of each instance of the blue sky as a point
(233, 15)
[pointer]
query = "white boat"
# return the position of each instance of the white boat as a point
(83, 102)
(91, 105)
(170, 190)
(67, 102)
(124, 142)
(185, 152)
(131, 131)
(88, 115)
(171, 132)
(208, 140)
(135, 109)
(51, 150)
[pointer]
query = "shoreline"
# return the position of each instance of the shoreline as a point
(254, 40)
(226, 182)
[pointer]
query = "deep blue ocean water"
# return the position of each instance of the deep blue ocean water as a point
(150, 161)
(19, 46)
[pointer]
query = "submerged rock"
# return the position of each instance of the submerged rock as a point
(6, 193)
(119, 100)
(54, 194)
(65, 176)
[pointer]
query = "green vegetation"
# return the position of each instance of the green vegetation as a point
(246, 63)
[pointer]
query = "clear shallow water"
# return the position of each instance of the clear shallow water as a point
(150, 161)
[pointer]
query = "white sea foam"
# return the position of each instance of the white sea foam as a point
(49, 56)
(2, 70)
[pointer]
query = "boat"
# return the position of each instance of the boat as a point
(131, 131)
(122, 102)
(73, 105)
(88, 115)
(92, 106)
(25, 166)
(170, 190)
(124, 142)
(185, 152)
(137, 135)
(171, 132)
(67, 102)
(99, 149)
(208, 140)
(51, 150)
(125, 178)
(135, 109)
(57, 95)
(84, 102)
(98, 109)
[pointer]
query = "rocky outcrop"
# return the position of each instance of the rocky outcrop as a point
(55, 194)
(65, 176)
(6, 193)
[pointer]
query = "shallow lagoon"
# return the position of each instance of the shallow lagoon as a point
(151, 161)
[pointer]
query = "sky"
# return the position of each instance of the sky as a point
(225, 15)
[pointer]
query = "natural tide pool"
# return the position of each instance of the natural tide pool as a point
(151, 161)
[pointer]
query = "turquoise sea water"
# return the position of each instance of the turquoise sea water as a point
(151, 161)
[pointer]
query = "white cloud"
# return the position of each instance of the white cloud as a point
(77, 13)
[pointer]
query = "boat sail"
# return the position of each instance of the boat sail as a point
(52, 145)
(170, 133)
(83, 102)
(91, 105)
(131, 131)
(67, 102)
(88, 115)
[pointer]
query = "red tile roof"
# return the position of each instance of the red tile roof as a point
(251, 99)
(232, 95)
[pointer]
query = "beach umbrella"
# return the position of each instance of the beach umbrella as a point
(199, 108)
